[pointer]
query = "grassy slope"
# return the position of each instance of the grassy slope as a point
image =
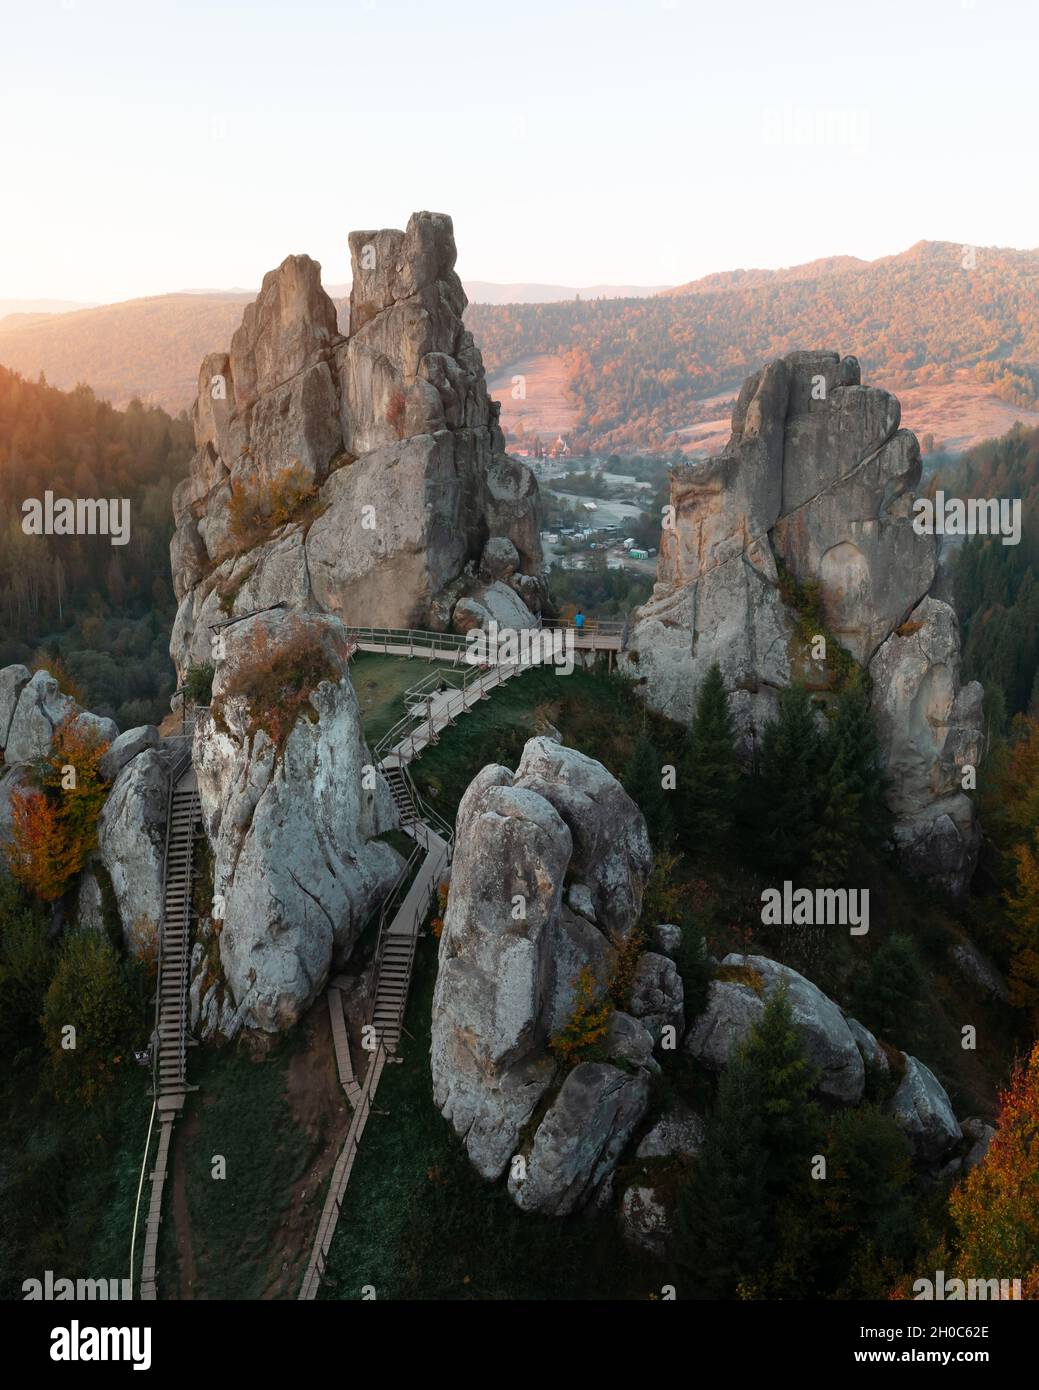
(417, 1223)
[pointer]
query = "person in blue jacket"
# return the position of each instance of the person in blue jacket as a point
(579, 620)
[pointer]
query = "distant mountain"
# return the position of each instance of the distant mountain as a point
(954, 331)
(39, 306)
(487, 292)
(149, 348)
(752, 279)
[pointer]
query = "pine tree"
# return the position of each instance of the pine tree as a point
(643, 783)
(852, 810)
(722, 1211)
(791, 1120)
(710, 775)
(790, 767)
(889, 999)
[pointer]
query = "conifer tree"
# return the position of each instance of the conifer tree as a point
(643, 783)
(722, 1211)
(709, 786)
(852, 807)
(791, 1120)
(789, 769)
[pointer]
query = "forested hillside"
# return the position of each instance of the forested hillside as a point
(639, 368)
(997, 586)
(103, 610)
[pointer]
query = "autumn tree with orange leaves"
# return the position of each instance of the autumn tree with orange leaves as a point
(54, 816)
(996, 1208)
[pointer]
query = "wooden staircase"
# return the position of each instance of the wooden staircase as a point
(169, 1053)
(402, 798)
(175, 944)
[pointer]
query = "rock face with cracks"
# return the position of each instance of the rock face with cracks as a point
(816, 488)
(296, 868)
(560, 830)
(375, 459)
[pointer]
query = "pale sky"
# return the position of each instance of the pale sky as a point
(151, 145)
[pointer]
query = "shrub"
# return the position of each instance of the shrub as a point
(90, 993)
(585, 1029)
(257, 509)
(54, 818)
(277, 678)
(198, 684)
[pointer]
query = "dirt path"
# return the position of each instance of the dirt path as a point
(182, 1135)
(320, 1109)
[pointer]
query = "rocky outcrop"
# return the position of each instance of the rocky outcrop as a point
(131, 846)
(921, 1108)
(734, 1007)
(125, 748)
(377, 456)
(816, 486)
(930, 729)
(31, 708)
(580, 1138)
(297, 870)
(39, 709)
(512, 952)
(13, 680)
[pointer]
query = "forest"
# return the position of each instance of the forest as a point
(101, 612)
(639, 368)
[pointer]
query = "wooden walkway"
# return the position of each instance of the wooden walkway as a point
(169, 1051)
(340, 1177)
(404, 910)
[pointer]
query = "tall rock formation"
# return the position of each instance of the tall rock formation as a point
(549, 871)
(816, 487)
(360, 475)
(291, 819)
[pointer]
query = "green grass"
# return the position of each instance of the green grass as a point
(596, 713)
(380, 683)
(418, 1223)
(68, 1180)
(243, 1114)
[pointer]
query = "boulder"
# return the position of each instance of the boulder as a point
(657, 994)
(126, 747)
(731, 1012)
(629, 1041)
(581, 1138)
(871, 1051)
(611, 850)
(679, 1133)
(980, 1135)
(500, 559)
(734, 1007)
(13, 680)
(131, 841)
(644, 1219)
(41, 707)
(922, 1110)
(488, 1056)
(667, 939)
(535, 883)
